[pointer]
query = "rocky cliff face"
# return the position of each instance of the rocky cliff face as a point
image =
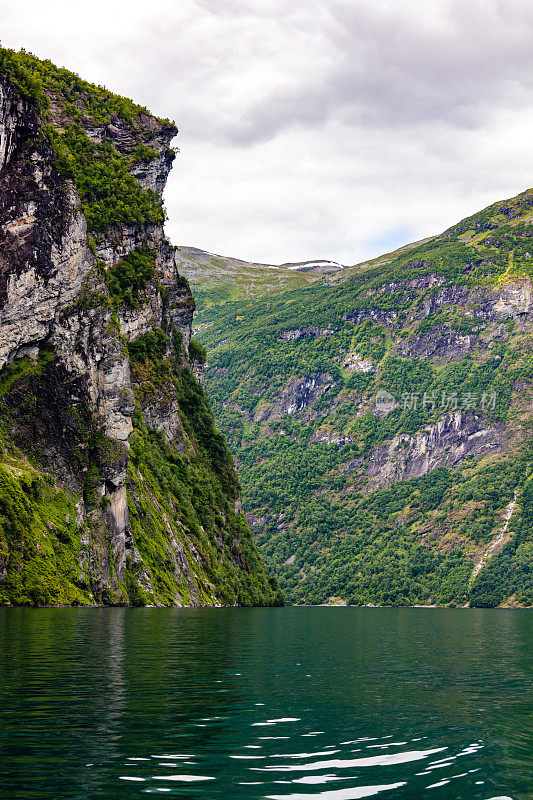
(101, 412)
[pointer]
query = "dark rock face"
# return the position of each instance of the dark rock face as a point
(33, 205)
(512, 300)
(440, 342)
(311, 332)
(50, 413)
(296, 396)
(374, 314)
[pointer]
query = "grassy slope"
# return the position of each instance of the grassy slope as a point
(415, 541)
(215, 279)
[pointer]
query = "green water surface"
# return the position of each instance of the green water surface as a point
(288, 703)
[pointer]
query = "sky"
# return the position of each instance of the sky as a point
(335, 129)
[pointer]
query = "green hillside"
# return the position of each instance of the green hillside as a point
(215, 279)
(426, 499)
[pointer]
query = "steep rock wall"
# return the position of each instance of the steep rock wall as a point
(95, 328)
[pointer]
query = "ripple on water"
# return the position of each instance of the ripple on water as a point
(314, 769)
(335, 769)
(366, 761)
(328, 769)
(340, 794)
(183, 778)
(272, 738)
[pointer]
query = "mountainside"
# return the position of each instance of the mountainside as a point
(382, 420)
(215, 279)
(115, 486)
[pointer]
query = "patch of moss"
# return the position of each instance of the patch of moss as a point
(39, 540)
(197, 351)
(151, 346)
(143, 154)
(24, 367)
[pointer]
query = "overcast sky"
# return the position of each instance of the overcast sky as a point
(330, 129)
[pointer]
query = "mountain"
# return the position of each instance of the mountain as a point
(215, 279)
(115, 485)
(381, 419)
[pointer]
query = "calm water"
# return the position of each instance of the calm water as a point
(294, 703)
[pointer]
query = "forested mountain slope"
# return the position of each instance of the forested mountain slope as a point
(115, 486)
(383, 423)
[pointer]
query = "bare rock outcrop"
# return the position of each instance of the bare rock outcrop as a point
(453, 438)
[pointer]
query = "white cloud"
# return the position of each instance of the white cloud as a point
(332, 129)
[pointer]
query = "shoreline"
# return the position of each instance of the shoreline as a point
(303, 605)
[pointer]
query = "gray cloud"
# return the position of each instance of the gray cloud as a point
(390, 70)
(316, 128)
(271, 67)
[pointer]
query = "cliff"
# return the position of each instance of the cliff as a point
(115, 486)
(382, 420)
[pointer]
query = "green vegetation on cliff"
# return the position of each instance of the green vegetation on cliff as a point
(42, 81)
(110, 195)
(196, 496)
(38, 538)
(130, 276)
(339, 493)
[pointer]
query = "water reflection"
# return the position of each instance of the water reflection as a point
(332, 703)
